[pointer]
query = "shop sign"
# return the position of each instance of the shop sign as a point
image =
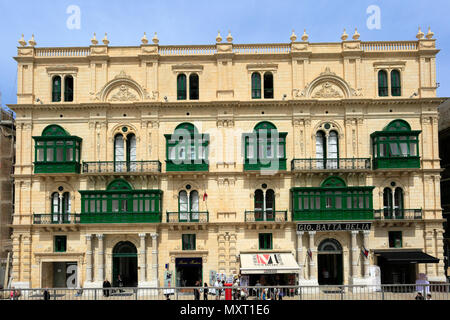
(267, 260)
(356, 226)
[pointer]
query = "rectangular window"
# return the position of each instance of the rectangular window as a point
(395, 239)
(188, 241)
(60, 243)
(265, 241)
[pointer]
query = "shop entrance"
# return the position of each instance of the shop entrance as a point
(125, 264)
(329, 263)
(188, 271)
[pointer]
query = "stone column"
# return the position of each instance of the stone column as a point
(142, 263)
(312, 263)
(101, 260)
(366, 260)
(355, 270)
(300, 252)
(89, 258)
(154, 278)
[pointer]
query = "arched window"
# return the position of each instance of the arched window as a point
(321, 149)
(56, 89)
(193, 87)
(382, 83)
(125, 153)
(68, 88)
(256, 85)
(188, 206)
(61, 207)
(393, 203)
(268, 85)
(181, 87)
(327, 150)
(396, 89)
(398, 202)
(264, 205)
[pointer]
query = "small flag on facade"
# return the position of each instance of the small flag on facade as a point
(205, 196)
(309, 253)
(365, 252)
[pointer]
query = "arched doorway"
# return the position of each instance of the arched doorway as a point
(330, 262)
(125, 264)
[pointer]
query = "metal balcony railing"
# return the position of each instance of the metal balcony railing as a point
(331, 164)
(62, 218)
(121, 166)
(398, 214)
(265, 215)
(191, 216)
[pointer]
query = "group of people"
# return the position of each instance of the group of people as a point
(107, 284)
(420, 296)
(268, 293)
(237, 292)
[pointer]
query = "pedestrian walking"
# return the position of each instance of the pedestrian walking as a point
(120, 282)
(217, 289)
(46, 294)
(197, 291)
(106, 284)
(205, 292)
(429, 296)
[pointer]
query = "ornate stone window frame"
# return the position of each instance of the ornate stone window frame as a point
(63, 72)
(389, 66)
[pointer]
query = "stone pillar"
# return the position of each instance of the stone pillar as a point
(101, 260)
(300, 253)
(88, 258)
(366, 260)
(142, 263)
(154, 278)
(355, 271)
(312, 263)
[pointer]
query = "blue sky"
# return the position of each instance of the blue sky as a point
(197, 22)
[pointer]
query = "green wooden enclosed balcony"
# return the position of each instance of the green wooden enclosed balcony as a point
(56, 218)
(121, 166)
(396, 147)
(120, 203)
(187, 149)
(56, 151)
(265, 215)
(309, 164)
(333, 200)
(192, 216)
(264, 148)
(398, 214)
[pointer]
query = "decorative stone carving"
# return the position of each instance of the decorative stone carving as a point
(327, 91)
(299, 47)
(123, 94)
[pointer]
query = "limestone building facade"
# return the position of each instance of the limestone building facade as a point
(295, 163)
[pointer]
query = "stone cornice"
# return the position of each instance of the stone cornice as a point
(249, 103)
